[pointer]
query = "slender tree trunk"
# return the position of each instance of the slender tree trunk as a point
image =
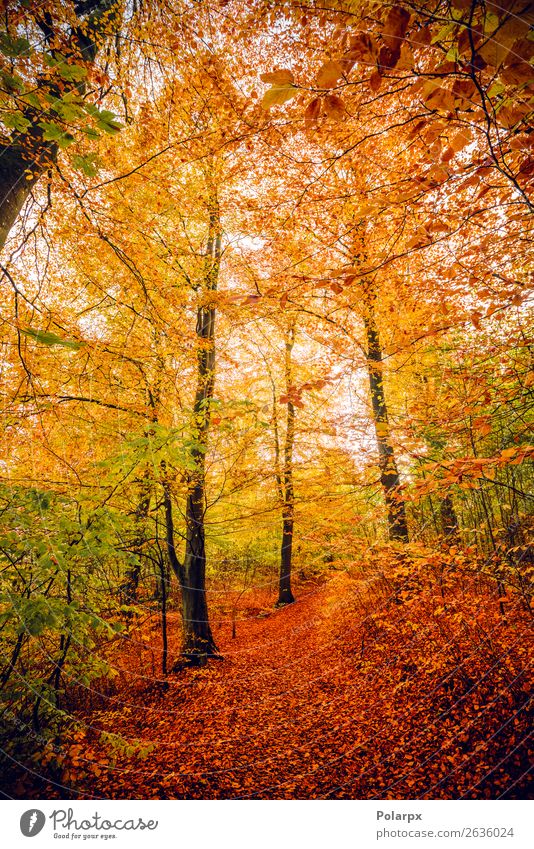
(389, 474)
(164, 579)
(285, 595)
(449, 519)
(130, 585)
(198, 639)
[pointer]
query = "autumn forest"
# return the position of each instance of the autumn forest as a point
(267, 394)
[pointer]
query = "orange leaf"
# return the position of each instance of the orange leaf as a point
(281, 77)
(334, 107)
(330, 73)
(361, 48)
(395, 26)
(375, 81)
(313, 111)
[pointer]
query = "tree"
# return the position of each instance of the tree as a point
(389, 473)
(198, 639)
(284, 474)
(44, 92)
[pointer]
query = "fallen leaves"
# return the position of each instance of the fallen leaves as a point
(299, 707)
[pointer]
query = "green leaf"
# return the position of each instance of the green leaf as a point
(90, 132)
(44, 337)
(10, 46)
(106, 121)
(491, 22)
(12, 83)
(52, 132)
(453, 54)
(72, 73)
(16, 121)
(31, 98)
(36, 615)
(67, 110)
(7, 614)
(496, 89)
(444, 33)
(66, 140)
(89, 164)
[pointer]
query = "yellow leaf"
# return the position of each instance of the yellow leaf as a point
(438, 98)
(460, 139)
(495, 50)
(281, 77)
(277, 95)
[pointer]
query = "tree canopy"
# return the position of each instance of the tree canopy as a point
(267, 397)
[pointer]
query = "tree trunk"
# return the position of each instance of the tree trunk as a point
(285, 595)
(449, 519)
(389, 474)
(165, 581)
(198, 639)
(22, 163)
(27, 156)
(198, 642)
(130, 585)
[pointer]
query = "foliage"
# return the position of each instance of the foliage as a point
(266, 308)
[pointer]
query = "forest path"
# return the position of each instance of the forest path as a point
(269, 720)
(345, 694)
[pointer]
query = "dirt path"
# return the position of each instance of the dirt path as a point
(301, 707)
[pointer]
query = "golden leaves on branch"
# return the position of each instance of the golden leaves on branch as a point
(514, 113)
(282, 89)
(497, 47)
(281, 77)
(361, 48)
(460, 139)
(330, 106)
(278, 95)
(395, 26)
(329, 74)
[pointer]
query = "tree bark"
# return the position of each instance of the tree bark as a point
(22, 164)
(389, 474)
(28, 155)
(449, 519)
(130, 585)
(285, 594)
(198, 638)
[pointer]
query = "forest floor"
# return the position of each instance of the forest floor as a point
(347, 693)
